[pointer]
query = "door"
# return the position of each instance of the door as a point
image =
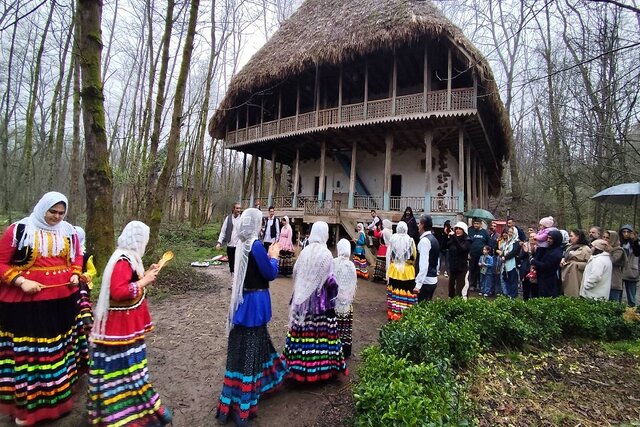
(316, 186)
(396, 185)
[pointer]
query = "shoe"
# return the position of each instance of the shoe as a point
(20, 422)
(446, 274)
(165, 415)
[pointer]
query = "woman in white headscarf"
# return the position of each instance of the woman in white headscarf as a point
(347, 281)
(40, 325)
(119, 389)
(359, 258)
(285, 263)
(254, 367)
(401, 273)
(313, 350)
(384, 237)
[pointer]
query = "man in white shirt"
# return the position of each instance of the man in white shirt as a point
(271, 229)
(229, 236)
(428, 256)
(375, 222)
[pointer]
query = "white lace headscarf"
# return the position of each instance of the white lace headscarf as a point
(387, 231)
(82, 236)
(248, 230)
(346, 277)
(311, 270)
(131, 245)
(400, 247)
(286, 222)
(37, 230)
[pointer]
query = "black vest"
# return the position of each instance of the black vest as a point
(434, 255)
(253, 279)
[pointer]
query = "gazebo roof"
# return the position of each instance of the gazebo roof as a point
(330, 32)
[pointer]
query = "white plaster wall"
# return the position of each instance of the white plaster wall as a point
(370, 168)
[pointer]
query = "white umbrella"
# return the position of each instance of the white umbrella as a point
(622, 194)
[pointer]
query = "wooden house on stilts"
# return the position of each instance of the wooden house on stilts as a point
(374, 104)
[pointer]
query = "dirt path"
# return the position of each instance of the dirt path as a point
(187, 354)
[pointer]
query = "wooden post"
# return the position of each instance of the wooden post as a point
(352, 175)
(474, 104)
(428, 142)
(460, 168)
(366, 90)
(425, 79)
(474, 174)
(296, 179)
(317, 94)
(272, 181)
(449, 77)
(340, 95)
(323, 149)
(468, 176)
(261, 116)
(253, 167)
(244, 174)
(237, 124)
(394, 85)
(386, 198)
(297, 102)
(279, 108)
(482, 199)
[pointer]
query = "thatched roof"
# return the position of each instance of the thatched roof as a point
(335, 31)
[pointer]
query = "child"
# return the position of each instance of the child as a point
(347, 280)
(486, 264)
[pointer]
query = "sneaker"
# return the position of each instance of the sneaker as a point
(20, 422)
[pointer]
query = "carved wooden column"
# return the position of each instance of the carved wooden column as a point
(323, 150)
(272, 180)
(296, 179)
(428, 142)
(460, 168)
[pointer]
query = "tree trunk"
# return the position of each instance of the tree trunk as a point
(162, 189)
(4, 127)
(97, 174)
(74, 196)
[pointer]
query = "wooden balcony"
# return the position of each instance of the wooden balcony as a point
(310, 205)
(378, 110)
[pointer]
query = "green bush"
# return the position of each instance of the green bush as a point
(420, 353)
(395, 391)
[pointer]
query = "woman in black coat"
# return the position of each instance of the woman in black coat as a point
(459, 246)
(412, 225)
(548, 266)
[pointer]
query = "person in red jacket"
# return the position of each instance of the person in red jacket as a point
(42, 348)
(119, 389)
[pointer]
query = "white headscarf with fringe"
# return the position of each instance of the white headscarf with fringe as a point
(247, 231)
(38, 231)
(346, 277)
(387, 231)
(312, 269)
(131, 246)
(400, 248)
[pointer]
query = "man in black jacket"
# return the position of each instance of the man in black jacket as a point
(427, 262)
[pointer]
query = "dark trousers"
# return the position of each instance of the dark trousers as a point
(231, 254)
(474, 272)
(426, 292)
(456, 283)
(529, 290)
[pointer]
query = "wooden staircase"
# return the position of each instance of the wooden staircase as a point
(349, 226)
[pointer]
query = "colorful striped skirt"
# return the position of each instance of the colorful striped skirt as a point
(361, 264)
(120, 393)
(254, 368)
(400, 296)
(345, 329)
(285, 263)
(86, 315)
(313, 350)
(43, 351)
(380, 272)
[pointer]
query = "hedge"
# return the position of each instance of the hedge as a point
(410, 379)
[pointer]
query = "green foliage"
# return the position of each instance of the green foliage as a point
(395, 391)
(450, 334)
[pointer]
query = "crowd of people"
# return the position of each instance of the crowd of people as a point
(50, 334)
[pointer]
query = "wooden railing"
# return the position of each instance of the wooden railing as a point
(445, 204)
(400, 203)
(313, 206)
(461, 99)
(367, 202)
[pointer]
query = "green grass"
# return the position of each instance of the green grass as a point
(620, 347)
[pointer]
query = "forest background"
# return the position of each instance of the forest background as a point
(145, 77)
